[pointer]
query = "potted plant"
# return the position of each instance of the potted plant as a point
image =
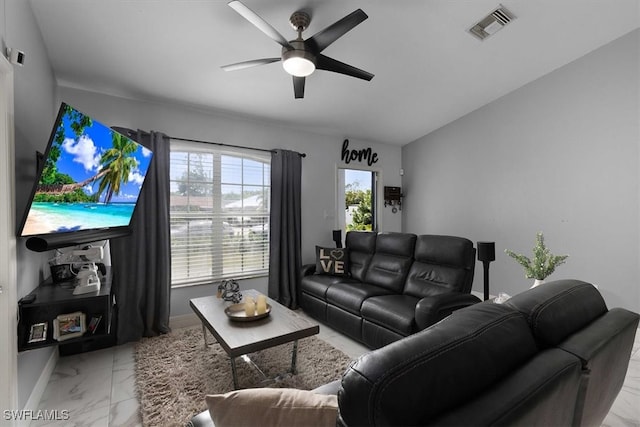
(542, 264)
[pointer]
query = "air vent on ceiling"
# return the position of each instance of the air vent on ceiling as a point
(492, 23)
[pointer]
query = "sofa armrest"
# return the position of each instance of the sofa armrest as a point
(308, 269)
(430, 310)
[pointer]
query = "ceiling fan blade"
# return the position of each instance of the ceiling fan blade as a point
(319, 41)
(329, 64)
(260, 23)
(249, 64)
(298, 87)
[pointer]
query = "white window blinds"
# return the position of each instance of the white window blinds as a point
(220, 200)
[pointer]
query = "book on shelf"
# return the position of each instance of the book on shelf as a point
(93, 324)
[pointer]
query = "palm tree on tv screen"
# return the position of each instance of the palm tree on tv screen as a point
(118, 163)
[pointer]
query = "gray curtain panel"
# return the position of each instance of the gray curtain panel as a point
(285, 259)
(142, 261)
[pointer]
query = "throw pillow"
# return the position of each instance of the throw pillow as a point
(334, 261)
(272, 407)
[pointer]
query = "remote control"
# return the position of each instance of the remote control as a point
(27, 299)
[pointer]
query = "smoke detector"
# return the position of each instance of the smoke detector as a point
(492, 23)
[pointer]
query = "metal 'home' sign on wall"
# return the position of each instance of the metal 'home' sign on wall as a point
(360, 155)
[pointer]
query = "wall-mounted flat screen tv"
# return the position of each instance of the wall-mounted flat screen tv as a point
(90, 179)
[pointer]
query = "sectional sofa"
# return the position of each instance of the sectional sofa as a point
(554, 355)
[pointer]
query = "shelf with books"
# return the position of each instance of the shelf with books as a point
(52, 315)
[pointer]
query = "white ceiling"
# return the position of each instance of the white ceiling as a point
(428, 69)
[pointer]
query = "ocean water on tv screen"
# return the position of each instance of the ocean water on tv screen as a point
(45, 217)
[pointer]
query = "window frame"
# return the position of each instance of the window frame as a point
(230, 249)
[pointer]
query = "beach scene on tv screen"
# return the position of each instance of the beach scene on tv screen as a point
(91, 178)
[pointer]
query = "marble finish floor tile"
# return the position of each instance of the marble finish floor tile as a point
(83, 363)
(125, 413)
(123, 382)
(98, 417)
(124, 354)
(79, 393)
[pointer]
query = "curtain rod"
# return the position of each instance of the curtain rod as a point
(229, 145)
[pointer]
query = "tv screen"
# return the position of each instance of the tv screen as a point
(90, 178)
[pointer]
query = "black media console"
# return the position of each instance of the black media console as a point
(50, 300)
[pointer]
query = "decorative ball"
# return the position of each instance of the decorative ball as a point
(229, 290)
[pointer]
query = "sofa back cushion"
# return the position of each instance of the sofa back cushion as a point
(391, 262)
(442, 264)
(558, 309)
(424, 375)
(361, 245)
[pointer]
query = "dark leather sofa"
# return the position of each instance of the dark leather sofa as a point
(398, 284)
(553, 355)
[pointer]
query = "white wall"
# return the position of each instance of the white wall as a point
(319, 168)
(34, 88)
(560, 155)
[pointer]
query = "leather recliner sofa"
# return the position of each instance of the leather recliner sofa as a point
(398, 284)
(552, 355)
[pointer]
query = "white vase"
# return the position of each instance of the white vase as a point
(537, 282)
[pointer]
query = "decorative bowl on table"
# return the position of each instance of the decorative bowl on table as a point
(237, 313)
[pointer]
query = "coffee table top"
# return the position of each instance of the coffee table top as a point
(238, 338)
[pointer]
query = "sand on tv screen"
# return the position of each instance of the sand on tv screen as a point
(91, 178)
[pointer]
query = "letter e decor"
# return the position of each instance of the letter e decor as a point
(359, 155)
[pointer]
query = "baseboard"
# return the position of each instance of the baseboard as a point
(184, 321)
(38, 390)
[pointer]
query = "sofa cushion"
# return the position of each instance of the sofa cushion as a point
(317, 284)
(390, 264)
(442, 264)
(362, 245)
(349, 296)
(557, 309)
(272, 407)
(426, 374)
(395, 312)
(333, 261)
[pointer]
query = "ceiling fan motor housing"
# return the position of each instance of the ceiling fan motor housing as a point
(300, 20)
(299, 51)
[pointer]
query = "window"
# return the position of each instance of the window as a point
(220, 199)
(356, 199)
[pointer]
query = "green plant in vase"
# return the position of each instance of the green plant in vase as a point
(542, 264)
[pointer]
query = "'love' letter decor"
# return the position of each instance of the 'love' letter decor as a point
(359, 155)
(333, 261)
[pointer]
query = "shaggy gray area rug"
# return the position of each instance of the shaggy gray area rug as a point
(174, 372)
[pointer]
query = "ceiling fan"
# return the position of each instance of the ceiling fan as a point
(302, 57)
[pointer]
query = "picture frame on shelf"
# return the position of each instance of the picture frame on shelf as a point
(71, 325)
(38, 332)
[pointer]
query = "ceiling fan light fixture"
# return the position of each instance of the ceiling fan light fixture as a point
(298, 63)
